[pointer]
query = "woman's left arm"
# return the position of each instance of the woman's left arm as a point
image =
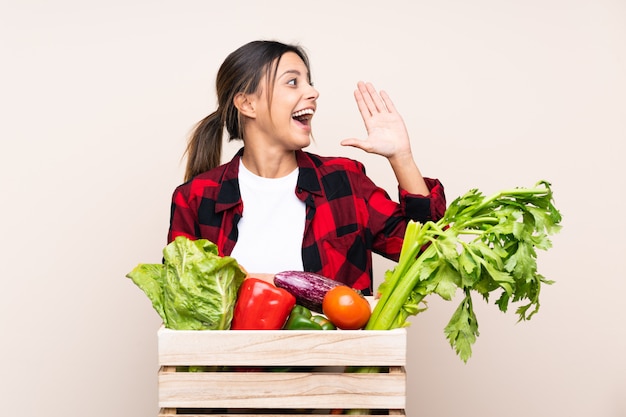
(388, 137)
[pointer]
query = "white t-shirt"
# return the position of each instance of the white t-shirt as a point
(272, 225)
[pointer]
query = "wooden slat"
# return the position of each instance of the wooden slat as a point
(315, 379)
(282, 348)
(167, 411)
(283, 389)
(261, 413)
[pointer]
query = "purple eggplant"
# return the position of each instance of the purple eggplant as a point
(309, 288)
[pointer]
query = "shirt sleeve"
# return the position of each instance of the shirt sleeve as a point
(387, 220)
(183, 220)
(424, 208)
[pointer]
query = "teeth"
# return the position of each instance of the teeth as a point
(301, 113)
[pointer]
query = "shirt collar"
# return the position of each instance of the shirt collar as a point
(230, 196)
(307, 177)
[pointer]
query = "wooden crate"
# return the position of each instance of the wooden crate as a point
(282, 372)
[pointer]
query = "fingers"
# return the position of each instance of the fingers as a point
(388, 103)
(356, 143)
(370, 101)
(362, 105)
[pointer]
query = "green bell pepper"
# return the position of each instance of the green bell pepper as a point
(301, 318)
(324, 322)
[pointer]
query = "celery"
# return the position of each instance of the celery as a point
(482, 245)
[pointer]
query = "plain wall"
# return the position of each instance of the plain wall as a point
(97, 100)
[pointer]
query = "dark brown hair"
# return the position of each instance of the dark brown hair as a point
(241, 72)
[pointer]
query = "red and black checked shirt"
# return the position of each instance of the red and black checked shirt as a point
(347, 216)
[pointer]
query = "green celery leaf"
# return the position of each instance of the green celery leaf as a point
(480, 250)
(462, 329)
(503, 279)
(447, 248)
(503, 301)
(522, 263)
(469, 267)
(447, 280)
(522, 311)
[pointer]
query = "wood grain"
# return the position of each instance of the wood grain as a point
(282, 347)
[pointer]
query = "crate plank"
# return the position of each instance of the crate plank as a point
(282, 348)
(252, 373)
(282, 389)
(261, 413)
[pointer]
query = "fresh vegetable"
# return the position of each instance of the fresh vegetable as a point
(481, 244)
(352, 412)
(323, 322)
(308, 288)
(301, 318)
(194, 288)
(346, 308)
(261, 306)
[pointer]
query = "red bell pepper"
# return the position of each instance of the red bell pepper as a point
(261, 306)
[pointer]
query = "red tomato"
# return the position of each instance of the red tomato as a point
(346, 308)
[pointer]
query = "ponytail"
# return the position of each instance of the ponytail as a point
(204, 150)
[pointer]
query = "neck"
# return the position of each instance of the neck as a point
(268, 163)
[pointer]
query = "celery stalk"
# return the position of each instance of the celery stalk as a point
(482, 245)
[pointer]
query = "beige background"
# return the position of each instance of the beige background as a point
(97, 98)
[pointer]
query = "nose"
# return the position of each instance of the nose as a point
(312, 94)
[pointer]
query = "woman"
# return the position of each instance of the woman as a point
(274, 207)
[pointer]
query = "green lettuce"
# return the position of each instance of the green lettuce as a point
(194, 288)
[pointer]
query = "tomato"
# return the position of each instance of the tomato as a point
(346, 308)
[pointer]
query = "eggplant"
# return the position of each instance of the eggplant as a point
(309, 288)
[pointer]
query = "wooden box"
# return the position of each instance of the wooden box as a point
(280, 372)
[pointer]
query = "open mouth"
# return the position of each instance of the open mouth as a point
(303, 116)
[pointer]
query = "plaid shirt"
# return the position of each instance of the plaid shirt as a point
(347, 216)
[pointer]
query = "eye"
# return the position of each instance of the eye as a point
(292, 81)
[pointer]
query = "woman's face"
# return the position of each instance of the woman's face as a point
(287, 123)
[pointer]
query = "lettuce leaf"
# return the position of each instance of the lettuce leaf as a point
(194, 288)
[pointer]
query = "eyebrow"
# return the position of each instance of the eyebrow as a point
(291, 71)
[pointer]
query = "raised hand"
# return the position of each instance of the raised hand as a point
(387, 134)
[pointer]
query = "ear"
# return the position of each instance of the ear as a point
(245, 105)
